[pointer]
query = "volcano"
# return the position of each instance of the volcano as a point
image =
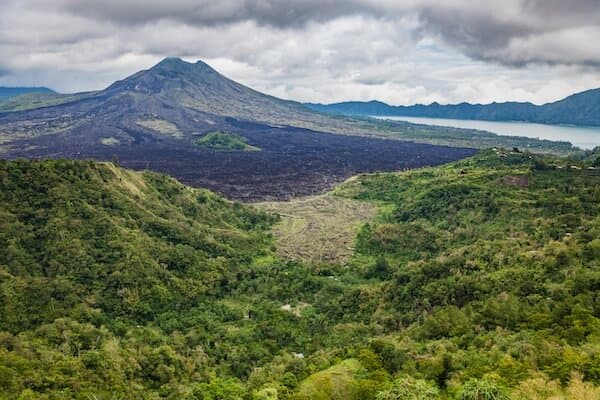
(154, 119)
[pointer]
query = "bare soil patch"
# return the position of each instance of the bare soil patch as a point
(319, 228)
(520, 181)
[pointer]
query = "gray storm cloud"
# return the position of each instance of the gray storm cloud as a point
(503, 31)
(521, 32)
(401, 51)
(209, 13)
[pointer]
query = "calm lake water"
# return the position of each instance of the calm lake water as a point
(581, 136)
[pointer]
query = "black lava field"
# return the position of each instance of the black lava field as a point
(292, 162)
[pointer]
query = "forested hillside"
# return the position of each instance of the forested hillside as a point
(8, 92)
(477, 280)
(577, 109)
(490, 266)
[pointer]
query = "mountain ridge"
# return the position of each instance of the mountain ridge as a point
(581, 108)
(154, 118)
(7, 92)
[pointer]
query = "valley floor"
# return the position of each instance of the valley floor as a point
(318, 229)
(473, 280)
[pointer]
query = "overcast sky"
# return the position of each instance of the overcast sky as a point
(398, 51)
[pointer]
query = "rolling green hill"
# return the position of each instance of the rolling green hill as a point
(489, 269)
(224, 141)
(9, 92)
(93, 257)
(476, 277)
(29, 101)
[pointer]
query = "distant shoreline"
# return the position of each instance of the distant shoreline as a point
(585, 137)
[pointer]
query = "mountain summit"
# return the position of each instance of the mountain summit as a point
(174, 97)
(170, 73)
(197, 86)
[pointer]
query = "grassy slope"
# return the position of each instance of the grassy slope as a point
(335, 383)
(10, 92)
(484, 269)
(223, 141)
(31, 101)
(134, 235)
(319, 228)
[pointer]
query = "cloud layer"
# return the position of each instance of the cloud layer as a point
(401, 51)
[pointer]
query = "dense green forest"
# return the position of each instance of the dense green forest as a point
(219, 140)
(476, 280)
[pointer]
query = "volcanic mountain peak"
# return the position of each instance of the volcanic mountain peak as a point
(175, 65)
(191, 96)
(172, 62)
(197, 87)
(170, 73)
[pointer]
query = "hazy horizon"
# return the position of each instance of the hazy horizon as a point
(347, 100)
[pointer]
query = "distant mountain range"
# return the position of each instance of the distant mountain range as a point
(8, 92)
(578, 109)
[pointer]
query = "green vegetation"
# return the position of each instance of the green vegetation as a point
(11, 92)
(408, 388)
(101, 269)
(219, 140)
(476, 280)
(337, 382)
(30, 101)
(488, 268)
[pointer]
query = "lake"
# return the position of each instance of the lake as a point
(585, 137)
